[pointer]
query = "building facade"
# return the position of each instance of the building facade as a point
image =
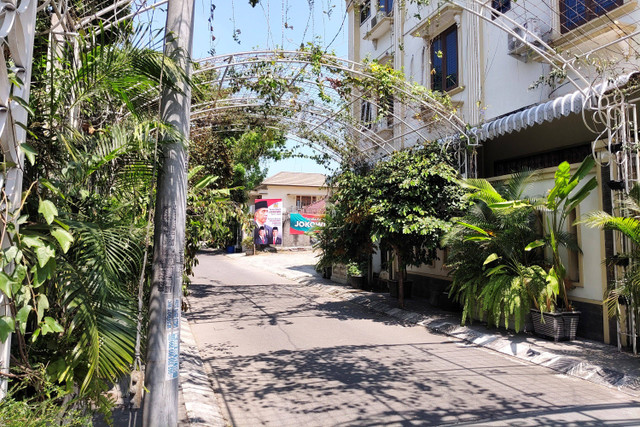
(534, 80)
(299, 191)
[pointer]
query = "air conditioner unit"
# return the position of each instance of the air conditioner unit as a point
(530, 34)
(385, 123)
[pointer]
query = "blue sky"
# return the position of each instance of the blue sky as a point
(262, 27)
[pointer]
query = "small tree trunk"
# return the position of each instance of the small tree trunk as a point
(400, 278)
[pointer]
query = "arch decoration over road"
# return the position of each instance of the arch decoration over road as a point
(347, 110)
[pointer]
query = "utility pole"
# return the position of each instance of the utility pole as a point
(163, 349)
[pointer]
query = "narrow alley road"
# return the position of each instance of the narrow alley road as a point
(283, 354)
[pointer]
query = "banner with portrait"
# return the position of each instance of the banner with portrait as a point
(302, 223)
(267, 219)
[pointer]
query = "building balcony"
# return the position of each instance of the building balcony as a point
(380, 24)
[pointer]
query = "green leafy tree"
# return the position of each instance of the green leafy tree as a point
(237, 158)
(412, 198)
(346, 235)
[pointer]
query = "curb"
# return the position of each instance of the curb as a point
(199, 397)
(567, 365)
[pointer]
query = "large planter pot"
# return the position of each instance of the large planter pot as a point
(393, 288)
(357, 281)
(560, 326)
(326, 272)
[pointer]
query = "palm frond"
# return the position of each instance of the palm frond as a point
(482, 190)
(515, 187)
(630, 227)
(93, 280)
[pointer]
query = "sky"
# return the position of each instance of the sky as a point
(234, 26)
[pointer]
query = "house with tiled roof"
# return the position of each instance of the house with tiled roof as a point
(298, 191)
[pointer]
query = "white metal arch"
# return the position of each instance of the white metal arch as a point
(422, 116)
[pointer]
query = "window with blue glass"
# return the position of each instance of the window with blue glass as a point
(385, 6)
(574, 13)
(444, 60)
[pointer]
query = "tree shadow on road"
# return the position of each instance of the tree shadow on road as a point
(259, 305)
(412, 384)
(424, 383)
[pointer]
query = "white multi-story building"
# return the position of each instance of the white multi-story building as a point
(538, 82)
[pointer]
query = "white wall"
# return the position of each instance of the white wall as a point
(288, 193)
(590, 240)
(492, 82)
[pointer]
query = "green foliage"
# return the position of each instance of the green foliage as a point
(491, 270)
(346, 235)
(405, 203)
(211, 217)
(355, 270)
(496, 254)
(100, 310)
(561, 200)
(53, 406)
(628, 290)
(28, 260)
(508, 291)
(412, 197)
(72, 267)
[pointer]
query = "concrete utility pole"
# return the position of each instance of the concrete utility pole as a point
(163, 349)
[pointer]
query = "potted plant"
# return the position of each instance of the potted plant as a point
(356, 274)
(510, 281)
(553, 304)
(553, 315)
(247, 245)
(493, 276)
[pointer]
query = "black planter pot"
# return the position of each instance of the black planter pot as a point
(560, 326)
(393, 288)
(357, 281)
(326, 272)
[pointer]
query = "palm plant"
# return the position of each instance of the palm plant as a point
(491, 270)
(96, 150)
(629, 225)
(563, 198)
(91, 281)
(103, 198)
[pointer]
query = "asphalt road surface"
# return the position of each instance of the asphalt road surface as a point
(282, 354)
